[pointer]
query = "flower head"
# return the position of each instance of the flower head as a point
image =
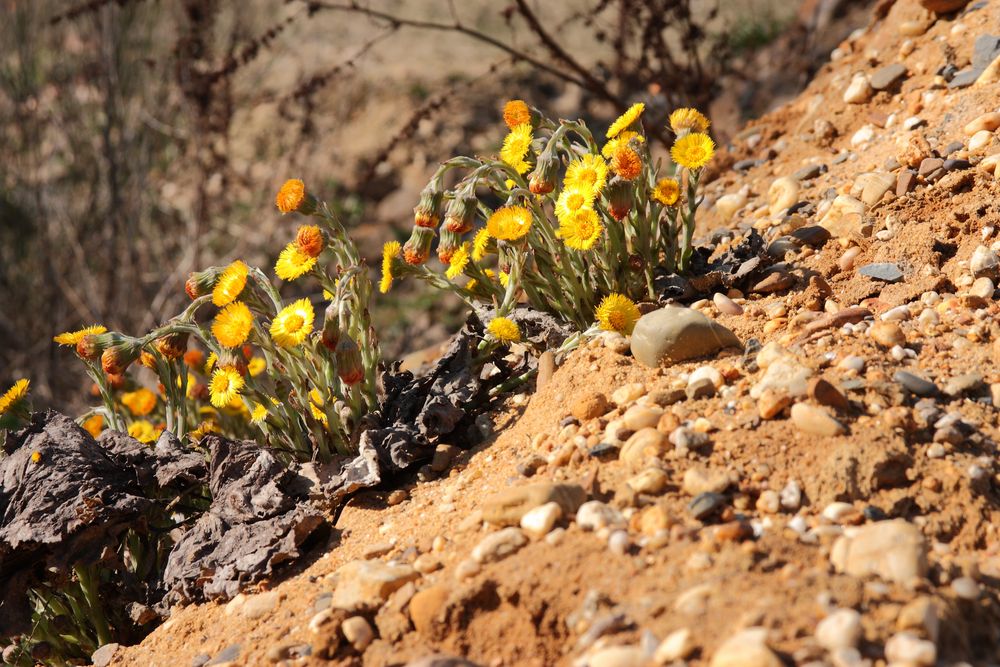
(688, 119)
(258, 415)
(210, 362)
(290, 196)
(309, 240)
(626, 162)
(588, 173)
(509, 223)
(626, 119)
(418, 246)
(480, 244)
(293, 324)
(194, 358)
(459, 260)
(293, 263)
(516, 112)
(572, 200)
(667, 191)
(93, 425)
(622, 139)
(13, 395)
(143, 431)
(256, 366)
(139, 402)
(233, 324)
(516, 146)
(693, 151)
(71, 338)
(425, 213)
(617, 313)
(390, 252)
(172, 345)
(225, 386)
(504, 330)
(581, 230)
(230, 283)
(204, 428)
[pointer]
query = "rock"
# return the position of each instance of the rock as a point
(618, 542)
(915, 384)
(644, 445)
(441, 660)
(841, 629)
(980, 140)
(810, 235)
(887, 334)
(651, 481)
(782, 194)
(726, 305)
(887, 272)
(260, 605)
(358, 632)
(103, 656)
(678, 645)
(507, 507)
(226, 655)
(863, 136)
(784, 376)
(904, 648)
(893, 550)
(498, 545)
(943, 6)
(367, 584)
(627, 393)
(443, 456)
(705, 504)
(595, 515)
(768, 502)
(772, 403)
(906, 181)
(639, 417)
(920, 615)
(546, 369)
(990, 75)
(871, 186)
(698, 480)
(815, 421)
(859, 90)
(377, 550)
(592, 405)
(776, 281)
(674, 334)
(397, 497)
(824, 393)
(886, 77)
(988, 121)
(984, 263)
(539, 521)
(844, 217)
(425, 605)
(964, 383)
(745, 649)
(982, 288)
(617, 656)
(427, 563)
(791, 496)
(929, 165)
(700, 388)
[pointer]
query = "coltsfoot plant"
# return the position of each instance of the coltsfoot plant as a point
(573, 227)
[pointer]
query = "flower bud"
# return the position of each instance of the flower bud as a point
(426, 212)
(91, 346)
(148, 360)
(233, 358)
(620, 199)
(292, 196)
(450, 242)
(116, 359)
(115, 381)
(636, 263)
(349, 365)
(542, 180)
(418, 248)
(460, 215)
(331, 328)
(310, 240)
(201, 283)
(173, 345)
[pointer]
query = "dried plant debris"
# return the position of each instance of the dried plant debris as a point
(743, 261)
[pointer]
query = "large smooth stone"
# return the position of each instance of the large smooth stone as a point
(675, 333)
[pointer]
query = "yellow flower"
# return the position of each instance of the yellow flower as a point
(93, 425)
(572, 200)
(693, 151)
(622, 122)
(232, 326)
(509, 223)
(258, 414)
(71, 338)
(139, 402)
(203, 429)
(36, 457)
(626, 162)
(459, 260)
(504, 279)
(293, 324)
(667, 191)
(210, 362)
(621, 140)
(230, 284)
(142, 431)
(18, 391)
(472, 284)
(617, 313)
(256, 366)
(688, 119)
(516, 112)
(516, 146)
(390, 251)
(290, 195)
(293, 263)
(225, 386)
(581, 230)
(587, 173)
(315, 403)
(504, 330)
(480, 244)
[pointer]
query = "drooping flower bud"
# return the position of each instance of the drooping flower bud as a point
(173, 345)
(620, 199)
(115, 381)
(349, 366)
(201, 283)
(460, 214)
(116, 359)
(450, 242)
(310, 240)
(331, 328)
(542, 180)
(418, 248)
(426, 212)
(91, 346)
(148, 360)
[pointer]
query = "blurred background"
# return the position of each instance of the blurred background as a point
(143, 139)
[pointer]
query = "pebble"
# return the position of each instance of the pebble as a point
(887, 334)
(845, 216)
(595, 515)
(103, 656)
(397, 497)
(507, 507)
(863, 136)
(746, 649)
(698, 480)
(618, 542)
(885, 77)
(893, 550)
(825, 393)
(262, 604)
(705, 504)
(651, 481)
(961, 384)
(859, 90)
(427, 563)
(982, 288)
(358, 632)
(841, 629)
(678, 645)
(539, 521)
(726, 305)
(642, 446)
(367, 584)
(782, 194)
(617, 656)
(791, 496)
(675, 333)
(226, 655)
(590, 406)
(815, 421)
(700, 388)
(727, 205)
(984, 263)
(497, 546)
(915, 384)
(639, 417)
(871, 186)
(852, 362)
(920, 615)
(768, 501)
(905, 648)
(980, 140)
(318, 622)
(772, 403)
(988, 122)
(885, 271)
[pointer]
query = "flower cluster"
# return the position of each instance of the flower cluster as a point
(573, 226)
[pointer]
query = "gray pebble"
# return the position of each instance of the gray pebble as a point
(915, 384)
(705, 504)
(886, 271)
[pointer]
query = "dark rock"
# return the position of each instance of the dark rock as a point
(906, 181)
(915, 384)
(815, 236)
(604, 450)
(706, 504)
(984, 51)
(886, 77)
(531, 465)
(779, 246)
(809, 172)
(929, 165)
(747, 165)
(951, 148)
(825, 393)
(964, 79)
(873, 513)
(776, 281)
(956, 165)
(703, 388)
(887, 272)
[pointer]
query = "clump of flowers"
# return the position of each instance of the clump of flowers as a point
(574, 226)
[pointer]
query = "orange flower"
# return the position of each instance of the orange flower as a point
(626, 162)
(310, 240)
(290, 196)
(194, 358)
(516, 112)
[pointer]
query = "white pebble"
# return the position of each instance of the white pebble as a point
(841, 629)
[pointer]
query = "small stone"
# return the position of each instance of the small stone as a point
(425, 605)
(678, 645)
(628, 393)
(776, 281)
(377, 550)
(260, 605)
(768, 501)
(705, 504)
(980, 140)
(841, 629)
(984, 263)
(859, 90)
(962, 384)
(863, 136)
(674, 334)
(367, 584)
(698, 480)
(467, 569)
(885, 77)
(427, 563)
(871, 186)
(507, 507)
(726, 305)
(539, 521)
(651, 481)
(845, 216)
(852, 362)
(591, 406)
(887, 334)
(811, 235)
(727, 205)
(746, 649)
(982, 288)
(815, 421)
(906, 181)
(956, 164)
(226, 655)
(966, 588)
(618, 542)
(700, 388)
(772, 403)
(884, 271)
(988, 121)
(644, 445)
(595, 515)
(893, 550)
(920, 616)
(915, 384)
(499, 545)
(320, 620)
(791, 496)
(639, 417)
(443, 456)
(396, 497)
(103, 656)
(617, 656)
(906, 649)
(824, 393)
(782, 194)
(929, 165)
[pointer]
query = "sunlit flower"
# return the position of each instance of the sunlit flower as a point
(293, 324)
(504, 330)
(36, 457)
(210, 362)
(621, 140)
(139, 402)
(258, 415)
(390, 251)
(480, 244)
(667, 191)
(71, 338)
(230, 283)
(617, 313)
(693, 151)
(232, 325)
(587, 173)
(459, 260)
(626, 162)
(256, 366)
(225, 386)
(147, 360)
(509, 223)
(581, 230)
(473, 284)
(504, 278)
(625, 120)
(516, 146)
(516, 112)
(143, 431)
(315, 403)
(572, 200)
(93, 425)
(290, 196)
(688, 119)
(293, 263)
(194, 358)
(309, 240)
(18, 391)
(203, 429)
